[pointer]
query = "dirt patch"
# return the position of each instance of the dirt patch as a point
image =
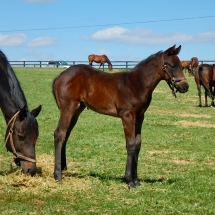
(196, 116)
(157, 152)
(184, 123)
(159, 91)
(183, 162)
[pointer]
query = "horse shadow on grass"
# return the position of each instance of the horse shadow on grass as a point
(160, 180)
(107, 178)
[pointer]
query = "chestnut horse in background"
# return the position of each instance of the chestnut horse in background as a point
(126, 95)
(205, 76)
(186, 65)
(102, 59)
(194, 62)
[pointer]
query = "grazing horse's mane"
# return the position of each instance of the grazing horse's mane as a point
(148, 59)
(16, 91)
(108, 61)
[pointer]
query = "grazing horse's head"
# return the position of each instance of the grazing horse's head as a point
(110, 66)
(173, 70)
(20, 139)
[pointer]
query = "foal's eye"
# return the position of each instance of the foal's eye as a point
(21, 138)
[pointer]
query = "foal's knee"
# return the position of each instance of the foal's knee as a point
(59, 136)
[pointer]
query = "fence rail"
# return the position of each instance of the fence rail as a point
(116, 64)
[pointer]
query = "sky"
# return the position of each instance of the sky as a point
(123, 30)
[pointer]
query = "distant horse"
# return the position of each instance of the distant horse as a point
(194, 62)
(102, 59)
(186, 65)
(205, 76)
(126, 95)
(22, 126)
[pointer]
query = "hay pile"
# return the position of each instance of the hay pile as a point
(44, 179)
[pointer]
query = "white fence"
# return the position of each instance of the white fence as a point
(116, 64)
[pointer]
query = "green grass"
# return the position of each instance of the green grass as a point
(176, 162)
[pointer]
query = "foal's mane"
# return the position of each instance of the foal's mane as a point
(16, 92)
(145, 61)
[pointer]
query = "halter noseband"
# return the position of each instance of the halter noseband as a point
(173, 80)
(9, 135)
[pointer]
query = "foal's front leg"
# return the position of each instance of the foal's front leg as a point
(59, 143)
(68, 120)
(132, 147)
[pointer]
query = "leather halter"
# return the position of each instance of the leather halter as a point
(9, 135)
(173, 80)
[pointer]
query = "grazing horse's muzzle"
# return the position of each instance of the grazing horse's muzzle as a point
(182, 86)
(28, 168)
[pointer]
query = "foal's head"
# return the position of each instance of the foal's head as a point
(173, 71)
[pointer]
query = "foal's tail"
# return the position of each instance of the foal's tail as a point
(53, 92)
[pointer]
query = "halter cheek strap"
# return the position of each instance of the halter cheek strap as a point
(9, 136)
(173, 80)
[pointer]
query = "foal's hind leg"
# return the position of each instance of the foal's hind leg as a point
(68, 119)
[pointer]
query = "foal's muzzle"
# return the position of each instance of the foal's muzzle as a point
(182, 86)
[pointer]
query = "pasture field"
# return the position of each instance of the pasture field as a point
(176, 162)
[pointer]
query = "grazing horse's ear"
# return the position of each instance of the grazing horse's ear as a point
(172, 50)
(36, 111)
(22, 113)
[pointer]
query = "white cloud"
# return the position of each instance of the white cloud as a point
(148, 37)
(12, 39)
(101, 52)
(39, 55)
(40, 1)
(42, 41)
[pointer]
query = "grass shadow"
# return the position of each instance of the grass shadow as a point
(10, 171)
(159, 180)
(106, 178)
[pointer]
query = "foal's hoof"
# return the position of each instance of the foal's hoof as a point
(134, 183)
(137, 182)
(57, 177)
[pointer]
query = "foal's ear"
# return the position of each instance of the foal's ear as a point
(36, 111)
(177, 50)
(173, 51)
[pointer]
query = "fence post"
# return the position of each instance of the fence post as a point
(40, 64)
(126, 65)
(24, 63)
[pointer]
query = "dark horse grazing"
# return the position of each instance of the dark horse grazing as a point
(102, 59)
(205, 76)
(126, 95)
(22, 130)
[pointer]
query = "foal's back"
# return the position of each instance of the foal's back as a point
(102, 92)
